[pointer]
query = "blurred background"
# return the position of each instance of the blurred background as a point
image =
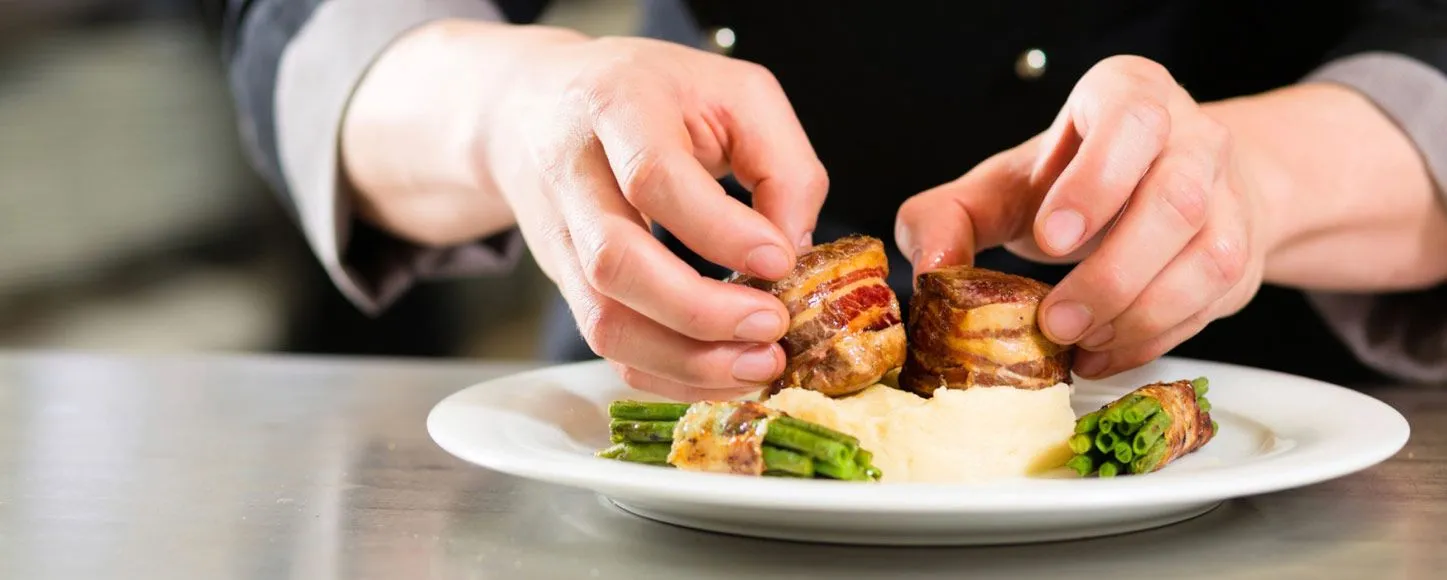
(129, 219)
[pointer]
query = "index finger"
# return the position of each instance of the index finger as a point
(770, 154)
(649, 150)
(1115, 125)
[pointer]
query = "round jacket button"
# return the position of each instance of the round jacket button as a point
(720, 40)
(1031, 64)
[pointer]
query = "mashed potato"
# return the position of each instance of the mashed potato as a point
(957, 436)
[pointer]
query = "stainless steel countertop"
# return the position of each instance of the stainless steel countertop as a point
(270, 467)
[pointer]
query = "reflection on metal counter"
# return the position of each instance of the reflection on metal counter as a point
(260, 467)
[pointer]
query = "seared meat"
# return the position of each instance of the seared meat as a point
(844, 329)
(970, 327)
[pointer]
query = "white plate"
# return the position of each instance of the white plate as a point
(1277, 432)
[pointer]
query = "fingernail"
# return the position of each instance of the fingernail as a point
(1090, 364)
(1099, 337)
(806, 241)
(1063, 230)
(756, 365)
(1066, 321)
(769, 261)
(761, 326)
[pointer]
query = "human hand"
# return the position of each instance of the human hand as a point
(600, 137)
(1136, 182)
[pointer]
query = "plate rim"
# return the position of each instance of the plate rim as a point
(621, 480)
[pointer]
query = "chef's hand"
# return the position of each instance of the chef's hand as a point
(1137, 183)
(588, 141)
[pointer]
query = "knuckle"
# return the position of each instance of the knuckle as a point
(1226, 253)
(593, 91)
(1185, 198)
(1138, 69)
(1151, 318)
(634, 377)
(1156, 349)
(1113, 287)
(758, 78)
(698, 322)
(614, 44)
(1199, 320)
(1151, 115)
(817, 180)
(555, 157)
(1217, 138)
(558, 234)
(1144, 354)
(639, 176)
(605, 266)
(1216, 133)
(602, 328)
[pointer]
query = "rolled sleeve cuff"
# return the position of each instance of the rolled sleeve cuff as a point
(317, 73)
(1403, 335)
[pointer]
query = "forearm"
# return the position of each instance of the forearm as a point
(416, 132)
(1349, 203)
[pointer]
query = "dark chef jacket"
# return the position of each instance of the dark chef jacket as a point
(897, 98)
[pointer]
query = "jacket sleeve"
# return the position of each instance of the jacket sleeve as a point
(1397, 58)
(292, 66)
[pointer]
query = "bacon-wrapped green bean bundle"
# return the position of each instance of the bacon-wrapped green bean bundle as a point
(1143, 431)
(743, 438)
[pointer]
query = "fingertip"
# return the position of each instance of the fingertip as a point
(1060, 231)
(923, 253)
(791, 204)
(759, 364)
(1065, 321)
(927, 261)
(904, 240)
(770, 262)
(764, 326)
(806, 241)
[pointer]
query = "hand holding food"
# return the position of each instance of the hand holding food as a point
(844, 324)
(1137, 182)
(587, 143)
(982, 394)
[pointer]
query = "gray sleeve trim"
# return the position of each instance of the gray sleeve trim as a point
(318, 71)
(1410, 92)
(1403, 335)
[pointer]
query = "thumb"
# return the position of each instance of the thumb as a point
(993, 204)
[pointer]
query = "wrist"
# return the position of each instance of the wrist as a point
(1267, 154)
(413, 133)
(500, 97)
(1349, 204)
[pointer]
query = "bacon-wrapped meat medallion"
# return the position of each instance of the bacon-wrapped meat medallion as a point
(844, 329)
(971, 327)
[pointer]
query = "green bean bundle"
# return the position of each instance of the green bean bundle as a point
(736, 437)
(1143, 431)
